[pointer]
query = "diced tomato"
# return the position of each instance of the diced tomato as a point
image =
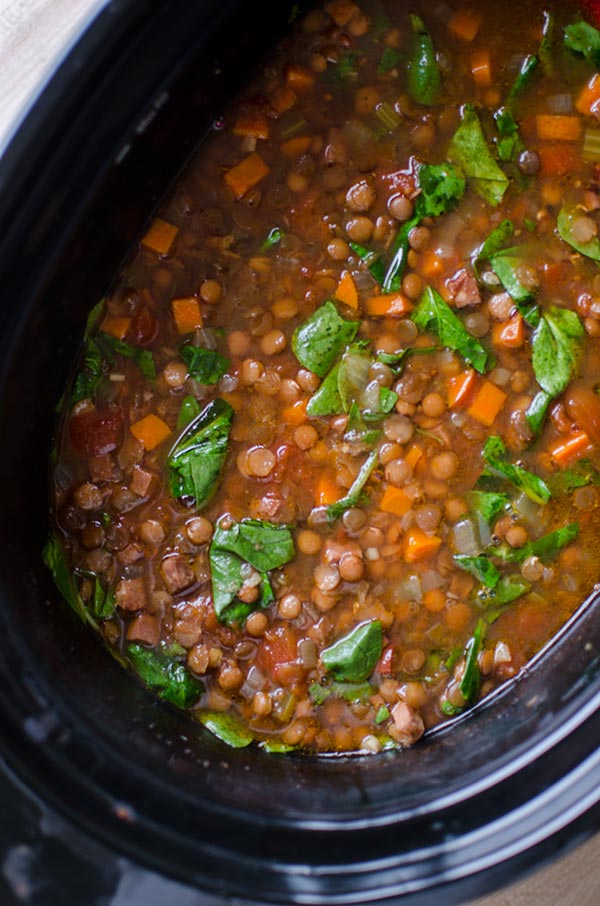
(96, 432)
(144, 327)
(279, 646)
(384, 667)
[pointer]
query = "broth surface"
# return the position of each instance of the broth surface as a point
(327, 472)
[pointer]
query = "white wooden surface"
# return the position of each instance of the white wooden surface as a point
(34, 36)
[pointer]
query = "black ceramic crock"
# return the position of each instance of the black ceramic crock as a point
(473, 806)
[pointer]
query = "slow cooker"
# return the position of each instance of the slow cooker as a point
(476, 804)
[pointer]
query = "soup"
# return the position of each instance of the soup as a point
(327, 471)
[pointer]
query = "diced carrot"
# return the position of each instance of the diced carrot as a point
(418, 545)
(246, 174)
(414, 455)
(235, 400)
(588, 101)
(434, 600)
(326, 490)
(299, 78)
(341, 11)
(465, 24)
(151, 431)
(481, 69)
(295, 414)
(557, 160)
(487, 404)
(186, 312)
(511, 333)
(431, 264)
(252, 124)
(557, 128)
(389, 305)
(395, 501)
(569, 448)
(346, 291)
(115, 326)
(283, 99)
(294, 147)
(460, 388)
(160, 237)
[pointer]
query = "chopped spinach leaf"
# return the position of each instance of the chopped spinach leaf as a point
(471, 679)
(577, 476)
(400, 249)
(556, 351)
(103, 601)
(227, 727)
(432, 313)
(567, 217)
(207, 366)
(197, 456)
(326, 400)
(352, 498)
(55, 559)
(424, 78)
(171, 680)
(487, 504)
(469, 150)
(263, 545)
(319, 341)
(493, 244)
(390, 59)
(274, 237)
(450, 710)
(371, 260)
(584, 40)
(353, 375)
(354, 657)
(481, 567)
(143, 358)
(548, 545)
(442, 187)
(382, 715)
(528, 67)
(495, 456)
(190, 409)
(507, 266)
(508, 589)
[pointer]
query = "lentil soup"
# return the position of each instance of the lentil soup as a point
(328, 469)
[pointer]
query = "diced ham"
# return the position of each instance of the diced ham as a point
(408, 724)
(140, 481)
(145, 627)
(335, 550)
(96, 432)
(131, 594)
(463, 289)
(130, 554)
(177, 573)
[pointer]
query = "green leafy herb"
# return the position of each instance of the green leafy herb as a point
(263, 545)
(577, 476)
(171, 680)
(494, 243)
(481, 567)
(274, 237)
(354, 657)
(487, 504)
(390, 59)
(508, 589)
(508, 265)
(584, 40)
(567, 217)
(548, 545)
(143, 358)
(556, 350)
(197, 456)
(432, 313)
(371, 260)
(528, 67)
(319, 341)
(351, 499)
(382, 715)
(424, 78)
(495, 455)
(54, 557)
(471, 679)
(226, 727)
(508, 143)
(207, 366)
(392, 280)
(190, 409)
(469, 150)
(442, 187)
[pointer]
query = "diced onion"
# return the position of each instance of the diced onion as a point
(485, 533)
(431, 579)
(560, 104)
(465, 538)
(527, 508)
(410, 589)
(502, 654)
